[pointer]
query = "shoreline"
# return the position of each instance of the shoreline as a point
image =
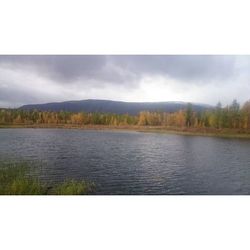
(208, 132)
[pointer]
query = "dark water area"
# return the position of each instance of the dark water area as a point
(127, 162)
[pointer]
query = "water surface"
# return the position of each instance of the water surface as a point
(133, 162)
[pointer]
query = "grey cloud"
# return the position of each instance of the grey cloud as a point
(124, 68)
(60, 67)
(42, 78)
(17, 95)
(182, 67)
(71, 68)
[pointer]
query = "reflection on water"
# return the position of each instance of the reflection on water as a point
(132, 162)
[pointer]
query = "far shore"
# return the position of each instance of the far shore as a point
(212, 132)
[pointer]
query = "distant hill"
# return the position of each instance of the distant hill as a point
(106, 106)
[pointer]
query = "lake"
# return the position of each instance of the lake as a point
(128, 162)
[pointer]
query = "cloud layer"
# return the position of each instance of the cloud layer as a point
(207, 79)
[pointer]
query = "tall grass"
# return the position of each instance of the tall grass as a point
(15, 180)
(73, 187)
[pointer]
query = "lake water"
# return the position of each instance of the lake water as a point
(133, 162)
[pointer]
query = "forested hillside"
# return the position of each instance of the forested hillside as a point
(232, 116)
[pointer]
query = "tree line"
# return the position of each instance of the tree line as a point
(231, 116)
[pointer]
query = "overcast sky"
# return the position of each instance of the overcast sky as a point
(200, 79)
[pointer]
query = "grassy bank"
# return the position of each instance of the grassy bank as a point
(227, 133)
(224, 133)
(15, 180)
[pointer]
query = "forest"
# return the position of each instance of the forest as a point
(232, 116)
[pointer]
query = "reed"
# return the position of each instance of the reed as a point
(15, 179)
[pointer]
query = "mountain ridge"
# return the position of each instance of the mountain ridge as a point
(110, 106)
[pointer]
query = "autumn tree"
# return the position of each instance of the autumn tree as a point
(189, 114)
(246, 115)
(234, 114)
(218, 115)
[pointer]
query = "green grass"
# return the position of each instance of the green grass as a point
(73, 187)
(15, 180)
